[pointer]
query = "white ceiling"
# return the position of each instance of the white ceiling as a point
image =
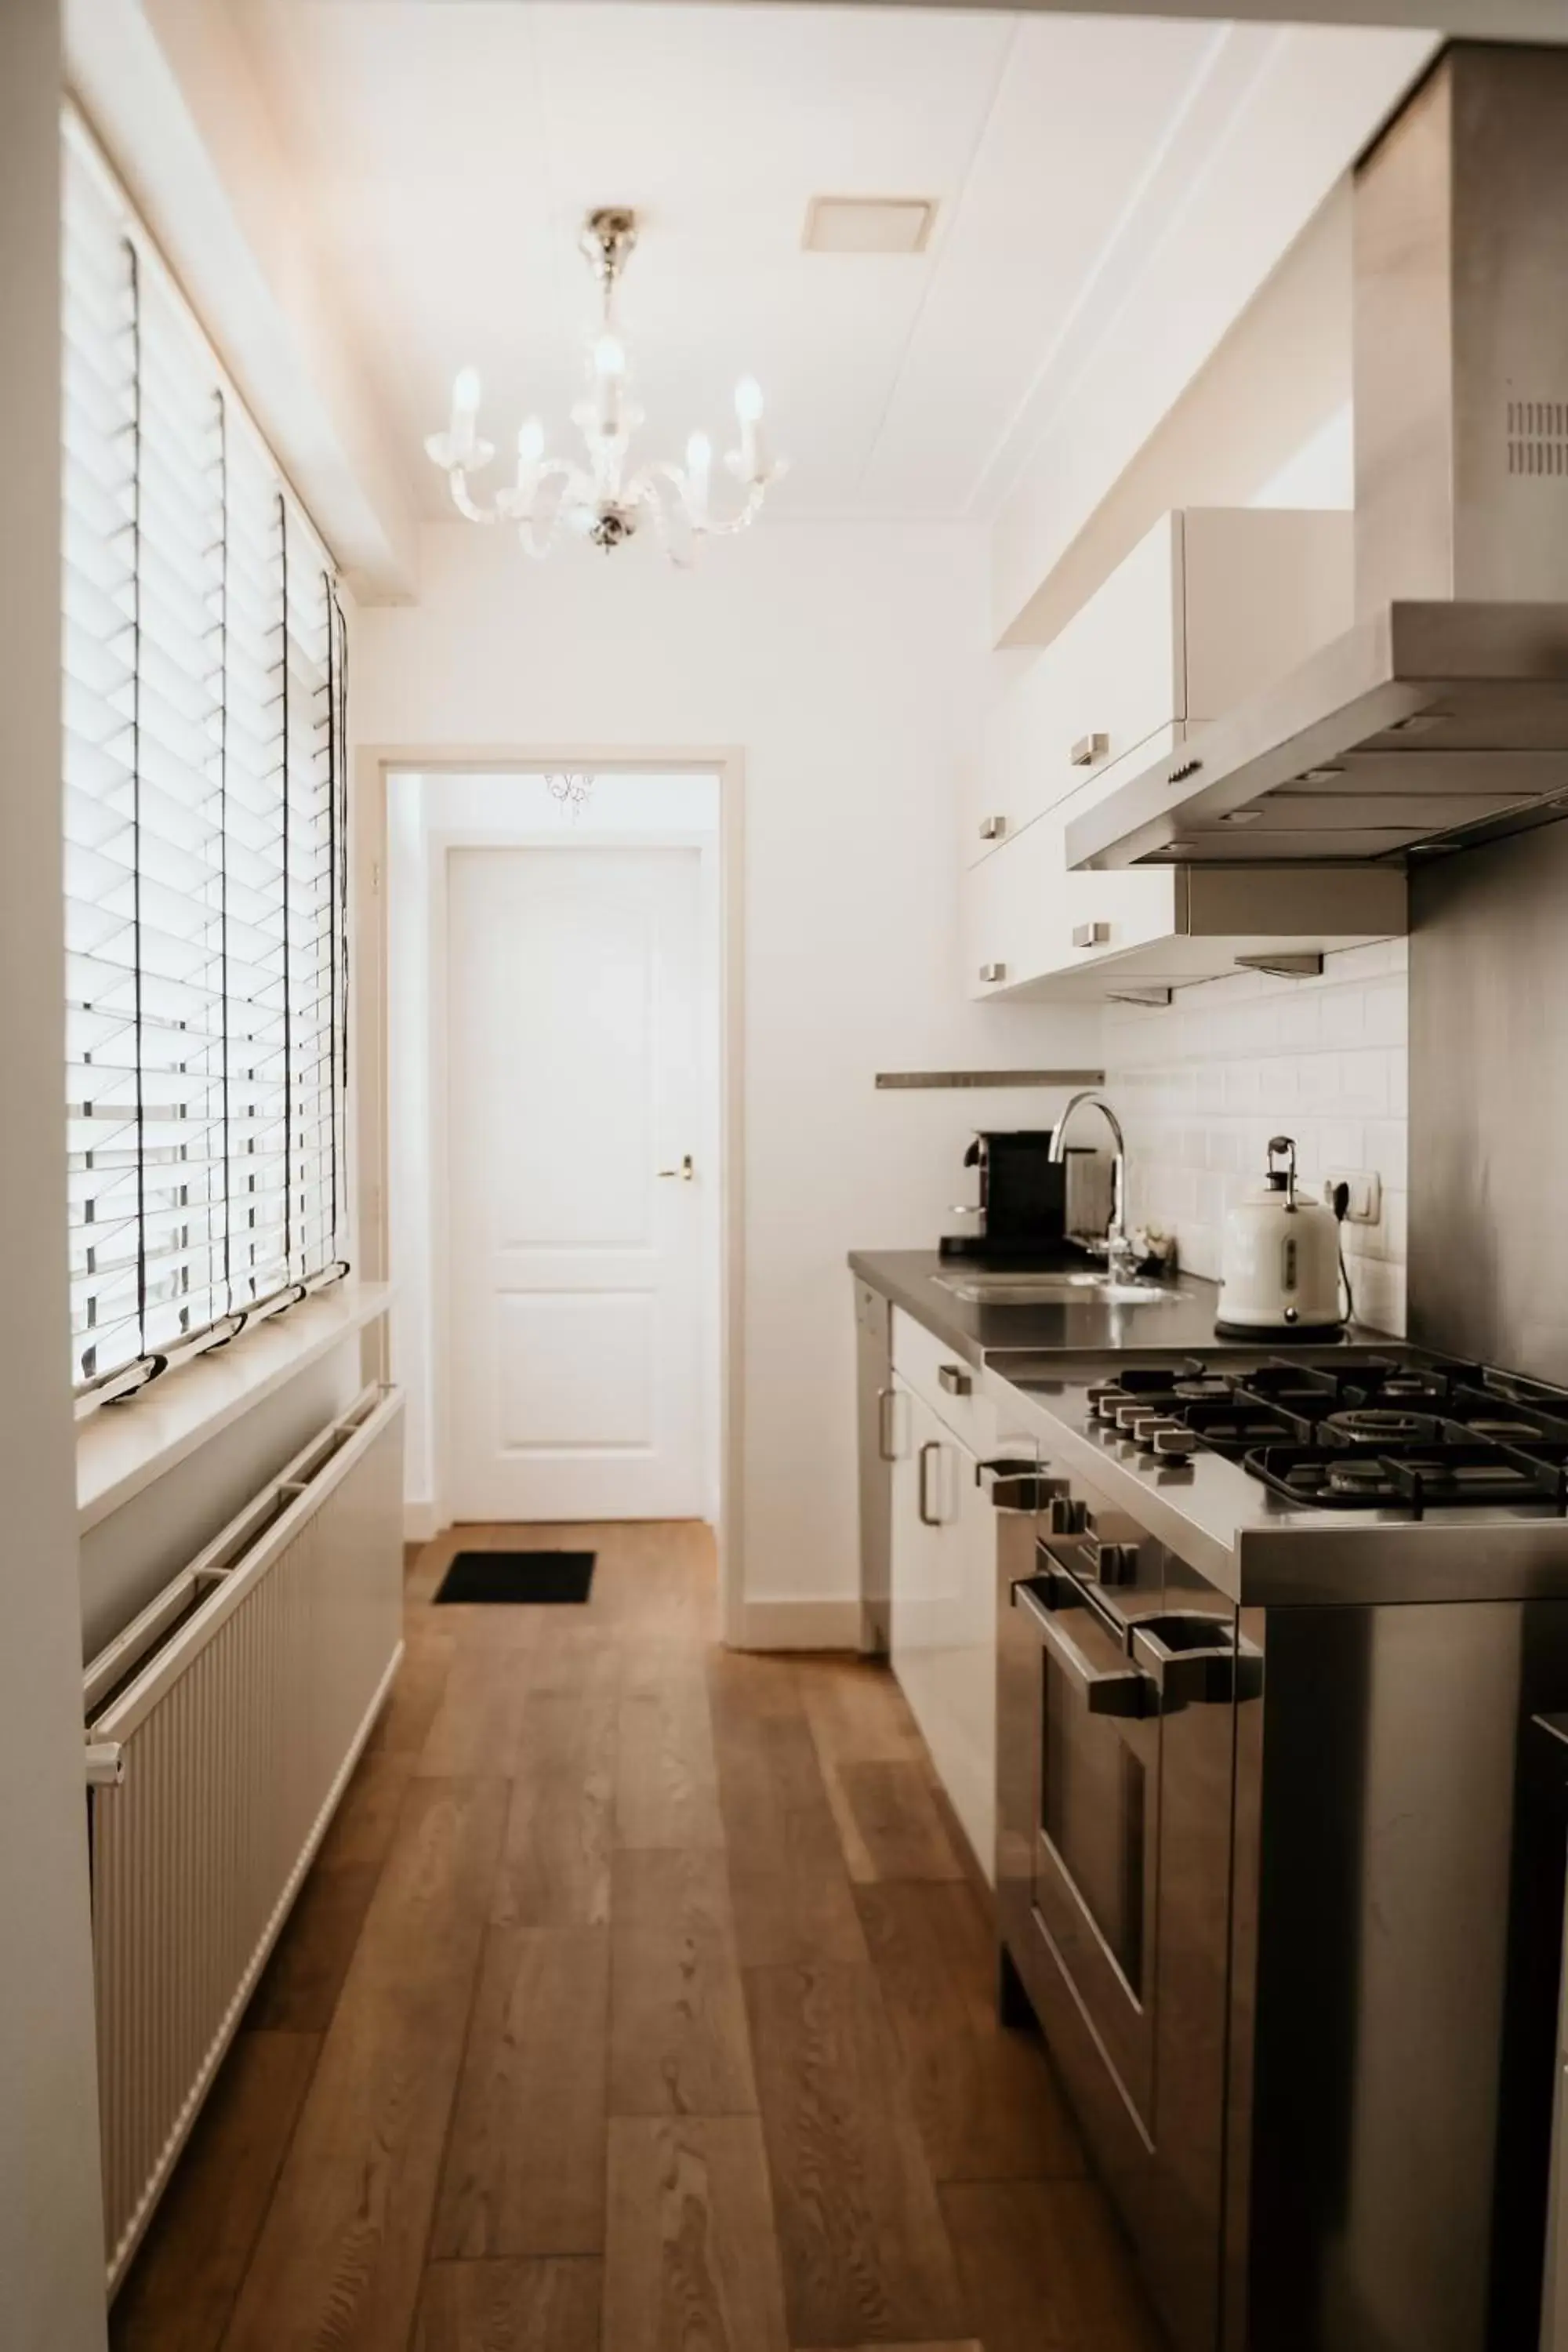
(448, 149)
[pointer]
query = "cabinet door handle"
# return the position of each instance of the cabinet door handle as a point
(687, 1171)
(928, 1519)
(885, 1440)
(1091, 935)
(955, 1378)
(993, 971)
(992, 828)
(1088, 750)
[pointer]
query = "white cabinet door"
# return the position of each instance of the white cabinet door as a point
(943, 1647)
(1212, 605)
(1111, 680)
(1028, 918)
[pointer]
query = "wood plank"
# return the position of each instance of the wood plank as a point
(180, 2288)
(362, 1829)
(788, 1881)
(339, 2259)
(866, 2257)
(516, 2306)
(898, 1831)
(299, 1985)
(298, 1988)
(691, 2260)
(525, 2166)
(476, 1728)
(1047, 2268)
(987, 2104)
(405, 1721)
(970, 2343)
(859, 1715)
(574, 1654)
(667, 1790)
(556, 1863)
(858, 1712)
(677, 2016)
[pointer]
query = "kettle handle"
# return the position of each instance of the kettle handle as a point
(1285, 1145)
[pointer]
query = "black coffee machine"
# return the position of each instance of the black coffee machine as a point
(1021, 1217)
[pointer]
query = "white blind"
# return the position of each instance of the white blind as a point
(204, 820)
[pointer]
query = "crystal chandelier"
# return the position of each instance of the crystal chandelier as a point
(600, 499)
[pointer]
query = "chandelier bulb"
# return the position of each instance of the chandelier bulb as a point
(465, 389)
(609, 357)
(748, 400)
(529, 441)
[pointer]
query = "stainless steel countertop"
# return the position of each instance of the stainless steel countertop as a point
(1179, 1323)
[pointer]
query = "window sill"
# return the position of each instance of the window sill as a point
(123, 1448)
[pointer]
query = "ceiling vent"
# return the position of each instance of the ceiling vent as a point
(869, 224)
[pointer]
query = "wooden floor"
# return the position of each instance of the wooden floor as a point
(637, 2002)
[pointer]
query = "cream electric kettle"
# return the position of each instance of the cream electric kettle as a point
(1279, 1263)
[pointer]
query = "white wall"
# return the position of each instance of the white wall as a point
(849, 664)
(51, 2233)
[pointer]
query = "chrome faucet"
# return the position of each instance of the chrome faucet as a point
(1117, 1246)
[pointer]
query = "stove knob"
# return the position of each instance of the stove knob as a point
(1147, 1427)
(1128, 1416)
(1068, 1517)
(1176, 1443)
(1116, 1563)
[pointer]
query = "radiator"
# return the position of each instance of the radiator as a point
(222, 1725)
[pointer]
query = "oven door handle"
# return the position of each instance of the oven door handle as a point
(1107, 1690)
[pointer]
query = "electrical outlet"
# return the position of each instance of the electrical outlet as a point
(1366, 1191)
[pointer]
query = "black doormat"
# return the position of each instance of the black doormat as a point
(519, 1575)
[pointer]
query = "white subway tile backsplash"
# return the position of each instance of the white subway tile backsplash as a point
(1203, 1086)
(1344, 1016)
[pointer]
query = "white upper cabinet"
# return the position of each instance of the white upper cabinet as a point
(1213, 604)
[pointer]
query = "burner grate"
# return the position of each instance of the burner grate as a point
(1386, 1432)
(1451, 1473)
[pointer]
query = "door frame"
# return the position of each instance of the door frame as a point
(369, 912)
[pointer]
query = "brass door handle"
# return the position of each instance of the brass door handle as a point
(687, 1171)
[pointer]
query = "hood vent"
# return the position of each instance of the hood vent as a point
(1442, 718)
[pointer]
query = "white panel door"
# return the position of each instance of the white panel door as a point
(575, 1063)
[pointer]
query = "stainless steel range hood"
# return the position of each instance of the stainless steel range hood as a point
(1442, 716)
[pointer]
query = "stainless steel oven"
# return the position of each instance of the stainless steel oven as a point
(1117, 1683)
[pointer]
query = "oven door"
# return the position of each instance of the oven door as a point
(1097, 1816)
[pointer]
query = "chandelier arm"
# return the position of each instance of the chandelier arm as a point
(457, 482)
(539, 530)
(644, 492)
(710, 526)
(744, 516)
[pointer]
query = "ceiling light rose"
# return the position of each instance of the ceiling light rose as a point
(599, 499)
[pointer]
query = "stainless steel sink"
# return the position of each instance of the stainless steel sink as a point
(1064, 1289)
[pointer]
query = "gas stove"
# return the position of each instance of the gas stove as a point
(1397, 1433)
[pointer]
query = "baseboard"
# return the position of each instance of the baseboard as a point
(799, 1625)
(421, 1521)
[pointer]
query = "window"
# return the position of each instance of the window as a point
(205, 834)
